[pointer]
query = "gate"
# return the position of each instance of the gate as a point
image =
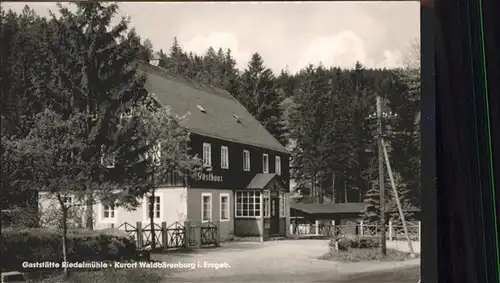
(208, 234)
(175, 236)
(157, 231)
(193, 231)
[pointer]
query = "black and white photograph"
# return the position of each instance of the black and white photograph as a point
(210, 142)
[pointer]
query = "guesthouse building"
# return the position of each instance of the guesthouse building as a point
(245, 192)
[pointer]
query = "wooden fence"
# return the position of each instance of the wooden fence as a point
(394, 231)
(173, 236)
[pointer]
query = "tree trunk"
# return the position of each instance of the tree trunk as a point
(333, 187)
(151, 219)
(64, 239)
(90, 212)
(345, 191)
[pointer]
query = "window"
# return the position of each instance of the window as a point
(246, 160)
(109, 210)
(207, 154)
(277, 165)
(266, 200)
(224, 207)
(224, 157)
(156, 207)
(282, 205)
(107, 159)
(206, 210)
(248, 204)
(265, 163)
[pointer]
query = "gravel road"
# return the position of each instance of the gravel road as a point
(278, 261)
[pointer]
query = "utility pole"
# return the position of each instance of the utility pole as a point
(396, 196)
(381, 177)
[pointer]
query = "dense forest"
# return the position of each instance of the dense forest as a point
(320, 113)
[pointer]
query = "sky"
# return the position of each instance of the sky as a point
(288, 35)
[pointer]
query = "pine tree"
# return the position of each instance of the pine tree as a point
(404, 194)
(371, 213)
(22, 39)
(230, 80)
(178, 61)
(211, 73)
(259, 95)
(306, 121)
(404, 100)
(99, 79)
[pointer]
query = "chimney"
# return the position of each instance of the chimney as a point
(154, 61)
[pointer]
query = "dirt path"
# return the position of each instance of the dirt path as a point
(273, 261)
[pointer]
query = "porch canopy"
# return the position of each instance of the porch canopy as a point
(266, 181)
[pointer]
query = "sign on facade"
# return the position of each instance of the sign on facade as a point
(209, 177)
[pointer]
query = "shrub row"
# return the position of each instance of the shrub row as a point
(45, 245)
(356, 243)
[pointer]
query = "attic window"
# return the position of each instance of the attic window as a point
(237, 118)
(201, 108)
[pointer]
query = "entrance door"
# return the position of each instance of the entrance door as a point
(275, 216)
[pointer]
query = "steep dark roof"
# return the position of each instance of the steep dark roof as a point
(223, 117)
(329, 208)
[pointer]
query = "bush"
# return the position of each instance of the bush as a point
(110, 275)
(45, 245)
(355, 242)
(365, 243)
(371, 254)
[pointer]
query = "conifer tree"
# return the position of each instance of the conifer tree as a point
(230, 77)
(178, 61)
(371, 212)
(22, 40)
(259, 95)
(404, 100)
(98, 77)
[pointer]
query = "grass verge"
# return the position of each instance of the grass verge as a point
(110, 275)
(370, 254)
(400, 275)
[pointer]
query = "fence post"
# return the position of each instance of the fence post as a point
(197, 231)
(139, 235)
(316, 227)
(334, 230)
(217, 239)
(164, 234)
(361, 227)
(390, 230)
(419, 230)
(187, 234)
